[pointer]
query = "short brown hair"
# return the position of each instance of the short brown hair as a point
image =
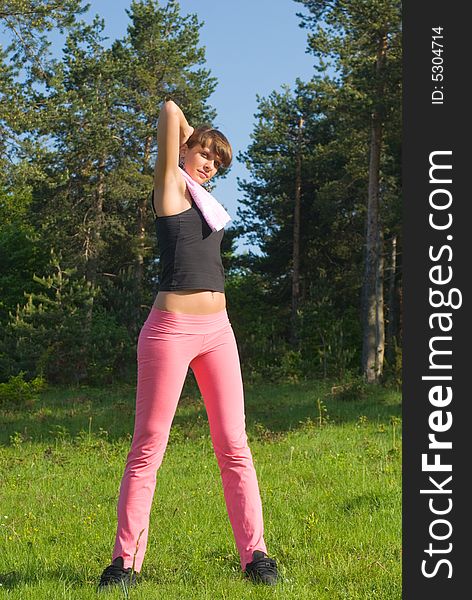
(206, 135)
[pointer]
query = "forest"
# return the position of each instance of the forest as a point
(315, 304)
(78, 262)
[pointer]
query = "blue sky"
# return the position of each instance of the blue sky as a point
(252, 47)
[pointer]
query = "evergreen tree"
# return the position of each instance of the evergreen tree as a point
(45, 336)
(363, 39)
(27, 21)
(101, 112)
(330, 226)
(159, 58)
(85, 127)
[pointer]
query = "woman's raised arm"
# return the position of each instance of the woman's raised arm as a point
(172, 131)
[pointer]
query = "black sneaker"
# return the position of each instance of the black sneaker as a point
(262, 569)
(115, 575)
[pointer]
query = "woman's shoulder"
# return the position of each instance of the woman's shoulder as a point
(170, 195)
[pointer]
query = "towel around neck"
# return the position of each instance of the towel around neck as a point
(213, 212)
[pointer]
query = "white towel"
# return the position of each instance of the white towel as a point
(213, 212)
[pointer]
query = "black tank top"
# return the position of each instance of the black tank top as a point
(190, 252)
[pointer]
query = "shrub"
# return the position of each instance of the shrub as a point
(20, 393)
(63, 334)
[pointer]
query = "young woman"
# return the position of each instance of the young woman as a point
(188, 326)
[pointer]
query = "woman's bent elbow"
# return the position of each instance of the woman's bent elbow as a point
(170, 106)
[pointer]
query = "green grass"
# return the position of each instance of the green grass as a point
(329, 470)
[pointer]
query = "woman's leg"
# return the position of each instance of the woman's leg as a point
(164, 354)
(218, 374)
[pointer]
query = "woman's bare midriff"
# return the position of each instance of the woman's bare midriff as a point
(192, 302)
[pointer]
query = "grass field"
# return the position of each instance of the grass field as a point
(329, 470)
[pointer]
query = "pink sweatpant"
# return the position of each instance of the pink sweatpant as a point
(168, 344)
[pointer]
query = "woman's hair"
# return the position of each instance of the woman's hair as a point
(205, 135)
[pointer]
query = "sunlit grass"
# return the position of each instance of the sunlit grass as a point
(329, 469)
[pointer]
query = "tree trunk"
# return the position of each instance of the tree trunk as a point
(380, 329)
(372, 315)
(92, 251)
(140, 223)
(370, 289)
(294, 337)
(391, 312)
(94, 231)
(399, 328)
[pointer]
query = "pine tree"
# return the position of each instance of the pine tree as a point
(362, 38)
(45, 336)
(159, 58)
(84, 129)
(27, 20)
(316, 164)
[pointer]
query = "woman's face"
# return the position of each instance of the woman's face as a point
(200, 163)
